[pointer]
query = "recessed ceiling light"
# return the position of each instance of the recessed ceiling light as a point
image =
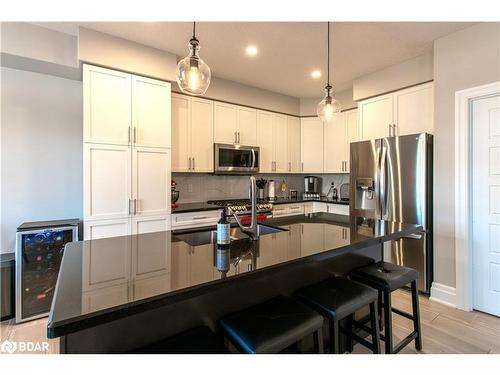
(251, 50)
(315, 74)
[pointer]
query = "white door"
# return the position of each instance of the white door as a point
(107, 176)
(181, 133)
(335, 143)
(414, 109)
(279, 142)
(151, 117)
(247, 126)
(293, 143)
(96, 229)
(351, 134)
(266, 146)
(486, 205)
(202, 135)
(151, 180)
(311, 147)
(225, 123)
(107, 105)
(376, 117)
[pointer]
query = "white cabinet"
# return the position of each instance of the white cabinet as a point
(311, 148)
(107, 181)
(95, 229)
(288, 209)
(120, 108)
(151, 112)
(312, 239)
(336, 236)
(235, 124)
(107, 105)
(149, 224)
(196, 219)
(293, 144)
(406, 111)
(339, 209)
(272, 141)
(335, 144)
(352, 134)
(192, 134)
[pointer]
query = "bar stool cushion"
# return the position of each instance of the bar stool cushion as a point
(338, 297)
(385, 276)
(199, 340)
(341, 265)
(271, 326)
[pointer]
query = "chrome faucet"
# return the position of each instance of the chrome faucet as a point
(252, 230)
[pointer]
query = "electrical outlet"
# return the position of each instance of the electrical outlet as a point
(190, 188)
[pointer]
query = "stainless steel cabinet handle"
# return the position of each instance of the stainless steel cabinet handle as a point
(390, 129)
(239, 135)
(135, 134)
(189, 166)
(129, 132)
(289, 166)
(193, 164)
(135, 206)
(199, 217)
(393, 130)
(129, 209)
(235, 137)
(302, 167)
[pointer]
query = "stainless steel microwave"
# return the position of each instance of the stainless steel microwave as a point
(236, 159)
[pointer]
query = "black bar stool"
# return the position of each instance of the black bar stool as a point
(338, 298)
(272, 326)
(386, 278)
(199, 340)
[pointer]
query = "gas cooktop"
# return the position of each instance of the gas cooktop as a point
(242, 205)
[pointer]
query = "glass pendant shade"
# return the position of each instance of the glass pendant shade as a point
(328, 108)
(192, 73)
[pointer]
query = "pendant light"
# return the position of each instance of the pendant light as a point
(329, 107)
(192, 73)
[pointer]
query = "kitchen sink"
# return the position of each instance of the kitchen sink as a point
(210, 236)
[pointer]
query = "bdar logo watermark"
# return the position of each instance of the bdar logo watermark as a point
(11, 347)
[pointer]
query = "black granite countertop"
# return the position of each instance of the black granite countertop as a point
(105, 279)
(204, 206)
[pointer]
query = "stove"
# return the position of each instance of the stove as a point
(243, 206)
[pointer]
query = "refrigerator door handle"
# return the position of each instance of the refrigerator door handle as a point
(414, 236)
(383, 181)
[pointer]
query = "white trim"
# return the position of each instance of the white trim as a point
(443, 294)
(463, 217)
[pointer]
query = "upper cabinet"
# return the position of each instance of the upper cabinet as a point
(192, 134)
(272, 129)
(293, 144)
(235, 124)
(406, 111)
(123, 109)
(338, 136)
(311, 146)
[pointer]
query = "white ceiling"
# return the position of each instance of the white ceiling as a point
(289, 51)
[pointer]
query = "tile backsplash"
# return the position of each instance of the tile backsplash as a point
(201, 187)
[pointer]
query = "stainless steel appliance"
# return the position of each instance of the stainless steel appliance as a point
(236, 159)
(243, 208)
(271, 190)
(391, 179)
(39, 250)
(312, 187)
(344, 192)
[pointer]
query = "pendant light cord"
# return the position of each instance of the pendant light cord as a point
(328, 57)
(194, 30)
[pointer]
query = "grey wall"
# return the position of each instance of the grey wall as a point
(308, 105)
(407, 73)
(41, 150)
(467, 58)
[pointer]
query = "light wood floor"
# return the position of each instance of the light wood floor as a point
(445, 330)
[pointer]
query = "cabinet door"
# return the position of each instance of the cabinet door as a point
(247, 126)
(181, 133)
(150, 224)
(265, 136)
(414, 110)
(96, 229)
(294, 243)
(311, 148)
(107, 105)
(151, 180)
(293, 144)
(335, 143)
(151, 115)
(201, 264)
(151, 254)
(375, 117)
(107, 176)
(351, 124)
(335, 236)
(312, 240)
(180, 265)
(225, 123)
(202, 135)
(280, 143)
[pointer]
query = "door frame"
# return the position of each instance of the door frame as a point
(463, 189)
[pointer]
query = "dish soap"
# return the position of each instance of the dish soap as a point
(223, 230)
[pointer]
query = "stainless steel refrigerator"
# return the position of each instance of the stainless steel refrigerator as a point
(391, 179)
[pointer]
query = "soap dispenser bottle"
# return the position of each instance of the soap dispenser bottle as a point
(223, 231)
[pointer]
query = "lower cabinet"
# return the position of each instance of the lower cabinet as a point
(95, 229)
(191, 265)
(196, 219)
(288, 209)
(333, 208)
(336, 236)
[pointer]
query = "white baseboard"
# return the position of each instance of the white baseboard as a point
(444, 294)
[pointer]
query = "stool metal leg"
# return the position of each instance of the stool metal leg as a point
(379, 306)
(334, 336)
(388, 323)
(318, 341)
(416, 315)
(349, 339)
(375, 329)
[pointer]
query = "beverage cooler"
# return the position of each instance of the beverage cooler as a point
(39, 251)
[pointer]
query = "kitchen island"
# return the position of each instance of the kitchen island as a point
(118, 294)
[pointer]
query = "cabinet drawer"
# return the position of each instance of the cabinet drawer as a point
(296, 209)
(339, 209)
(194, 219)
(280, 211)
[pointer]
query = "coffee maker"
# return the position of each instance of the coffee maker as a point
(312, 187)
